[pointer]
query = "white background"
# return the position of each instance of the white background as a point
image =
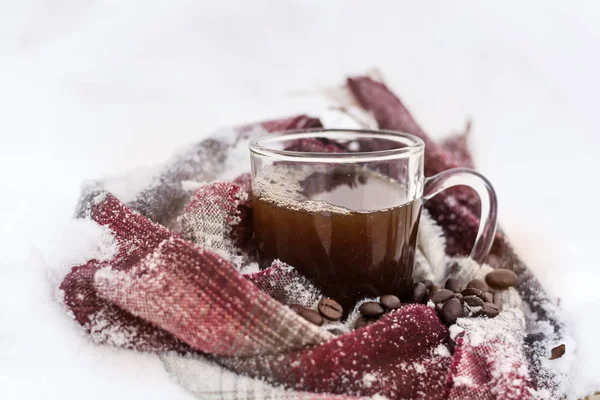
(90, 88)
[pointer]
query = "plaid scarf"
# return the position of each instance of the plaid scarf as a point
(174, 286)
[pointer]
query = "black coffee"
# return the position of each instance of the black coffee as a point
(346, 239)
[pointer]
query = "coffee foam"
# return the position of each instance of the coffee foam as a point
(280, 185)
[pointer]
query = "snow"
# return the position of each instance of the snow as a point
(94, 88)
(463, 381)
(368, 379)
(442, 351)
(81, 240)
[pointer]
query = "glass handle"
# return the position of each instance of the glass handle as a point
(485, 191)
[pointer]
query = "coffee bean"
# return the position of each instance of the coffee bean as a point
(363, 321)
(428, 283)
(453, 285)
(478, 284)
(311, 316)
(557, 352)
(459, 297)
(330, 309)
(472, 292)
(488, 297)
(390, 302)
(360, 322)
(441, 296)
(451, 311)
(498, 300)
(434, 290)
(473, 301)
(296, 307)
(419, 292)
(501, 279)
(371, 309)
(490, 310)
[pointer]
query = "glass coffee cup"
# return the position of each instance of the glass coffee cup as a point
(348, 218)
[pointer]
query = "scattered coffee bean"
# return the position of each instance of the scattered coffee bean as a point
(501, 279)
(478, 284)
(488, 297)
(472, 292)
(363, 321)
(296, 307)
(360, 322)
(428, 283)
(441, 296)
(451, 311)
(453, 285)
(557, 352)
(311, 316)
(419, 292)
(477, 295)
(473, 301)
(458, 296)
(498, 300)
(434, 290)
(330, 309)
(490, 310)
(371, 309)
(390, 302)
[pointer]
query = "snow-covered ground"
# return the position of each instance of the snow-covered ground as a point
(90, 88)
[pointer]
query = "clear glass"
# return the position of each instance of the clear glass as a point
(343, 207)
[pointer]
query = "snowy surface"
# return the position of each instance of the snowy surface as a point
(92, 88)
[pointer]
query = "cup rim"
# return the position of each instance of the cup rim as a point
(412, 145)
